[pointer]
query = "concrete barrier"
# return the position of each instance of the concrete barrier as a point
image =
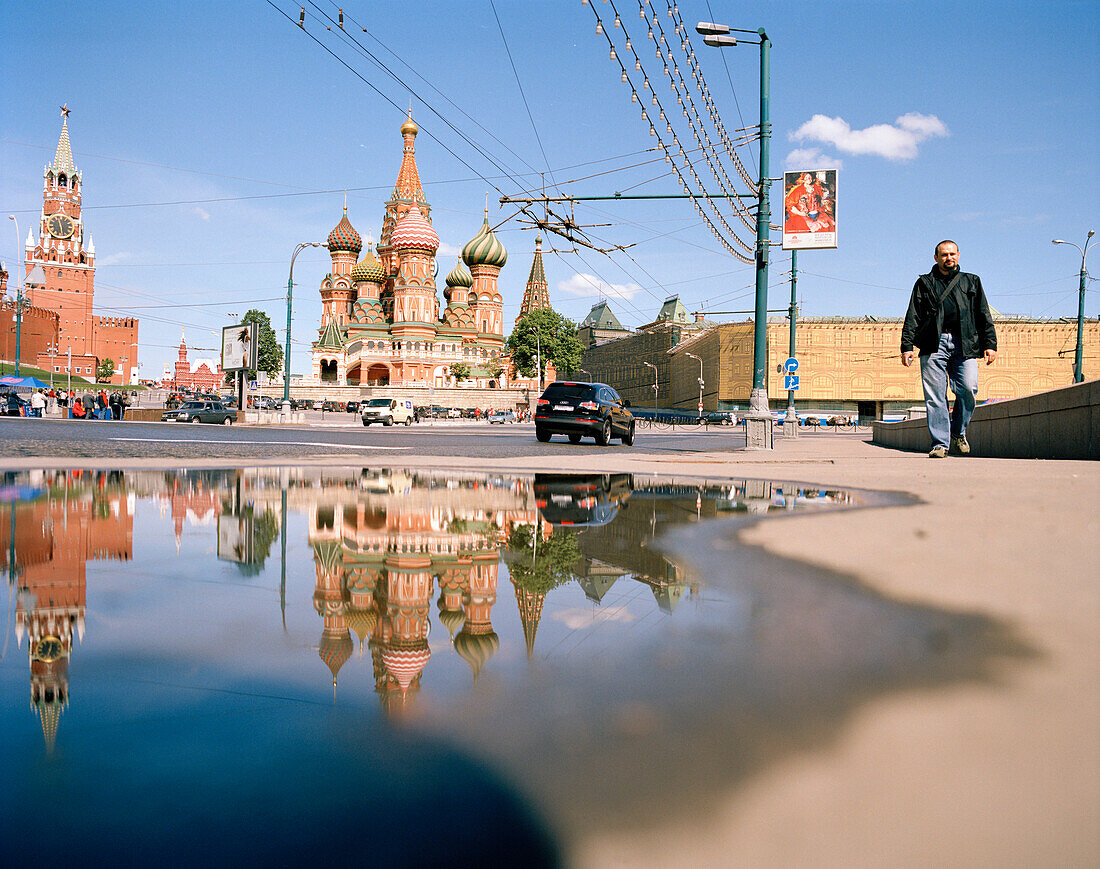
(1059, 424)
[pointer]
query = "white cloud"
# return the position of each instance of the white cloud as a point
(812, 158)
(589, 285)
(201, 212)
(897, 141)
(577, 618)
(448, 250)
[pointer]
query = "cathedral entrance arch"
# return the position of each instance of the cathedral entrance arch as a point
(354, 374)
(378, 375)
(328, 370)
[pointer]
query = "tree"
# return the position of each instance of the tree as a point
(557, 336)
(541, 565)
(495, 367)
(460, 371)
(270, 354)
(105, 370)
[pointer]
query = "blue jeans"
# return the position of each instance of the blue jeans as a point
(947, 363)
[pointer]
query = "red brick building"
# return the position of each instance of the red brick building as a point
(66, 283)
(201, 374)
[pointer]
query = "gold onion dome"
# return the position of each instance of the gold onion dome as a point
(361, 621)
(413, 231)
(460, 277)
(344, 236)
(368, 269)
(409, 128)
(484, 249)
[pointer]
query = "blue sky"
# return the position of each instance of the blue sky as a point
(213, 137)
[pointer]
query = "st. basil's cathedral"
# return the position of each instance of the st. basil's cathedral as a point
(381, 323)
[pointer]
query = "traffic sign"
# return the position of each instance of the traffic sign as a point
(790, 382)
(791, 365)
(252, 384)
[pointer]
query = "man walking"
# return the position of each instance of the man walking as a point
(948, 320)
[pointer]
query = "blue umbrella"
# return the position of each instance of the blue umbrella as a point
(22, 384)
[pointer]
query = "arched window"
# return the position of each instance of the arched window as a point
(62, 181)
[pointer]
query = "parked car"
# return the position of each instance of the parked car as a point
(352, 407)
(201, 411)
(502, 416)
(388, 411)
(583, 410)
(303, 404)
(330, 406)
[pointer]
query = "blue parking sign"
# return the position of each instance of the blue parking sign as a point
(790, 381)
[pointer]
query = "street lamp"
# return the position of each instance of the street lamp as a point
(18, 296)
(758, 427)
(586, 371)
(289, 308)
(700, 361)
(51, 351)
(654, 367)
(1078, 374)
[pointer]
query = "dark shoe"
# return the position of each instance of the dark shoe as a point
(960, 446)
(938, 453)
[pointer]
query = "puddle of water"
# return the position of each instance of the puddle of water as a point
(287, 652)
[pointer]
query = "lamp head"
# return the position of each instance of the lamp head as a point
(1057, 241)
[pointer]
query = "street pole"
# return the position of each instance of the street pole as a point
(1078, 356)
(654, 367)
(700, 361)
(18, 297)
(790, 421)
(69, 375)
(289, 310)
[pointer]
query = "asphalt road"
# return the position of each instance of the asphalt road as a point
(331, 436)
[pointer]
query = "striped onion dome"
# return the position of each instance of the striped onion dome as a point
(484, 248)
(335, 649)
(460, 277)
(477, 648)
(405, 664)
(368, 269)
(412, 230)
(344, 236)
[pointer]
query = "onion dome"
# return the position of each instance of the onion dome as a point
(344, 236)
(460, 277)
(405, 664)
(412, 230)
(335, 649)
(368, 269)
(484, 248)
(452, 620)
(362, 621)
(409, 128)
(476, 649)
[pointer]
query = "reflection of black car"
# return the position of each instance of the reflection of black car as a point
(583, 409)
(581, 499)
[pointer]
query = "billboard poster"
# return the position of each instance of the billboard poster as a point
(809, 209)
(240, 347)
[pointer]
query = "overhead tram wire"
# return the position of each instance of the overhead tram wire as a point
(729, 78)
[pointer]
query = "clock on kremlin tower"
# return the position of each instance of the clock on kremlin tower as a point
(60, 277)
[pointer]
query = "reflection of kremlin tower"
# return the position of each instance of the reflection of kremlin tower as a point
(381, 322)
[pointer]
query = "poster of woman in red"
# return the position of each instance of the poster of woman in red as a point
(809, 209)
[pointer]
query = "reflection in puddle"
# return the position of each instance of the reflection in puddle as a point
(506, 615)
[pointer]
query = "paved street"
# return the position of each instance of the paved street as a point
(334, 435)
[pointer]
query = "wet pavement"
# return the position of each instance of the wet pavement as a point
(296, 650)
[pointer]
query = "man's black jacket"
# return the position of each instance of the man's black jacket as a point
(924, 319)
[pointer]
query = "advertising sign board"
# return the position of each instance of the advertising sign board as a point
(240, 347)
(809, 209)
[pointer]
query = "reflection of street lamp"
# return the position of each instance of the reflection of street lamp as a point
(654, 367)
(758, 424)
(289, 308)
(1078, 374)
(700, 361)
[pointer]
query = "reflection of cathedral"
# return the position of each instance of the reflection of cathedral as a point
(81, 517)
(381, 322)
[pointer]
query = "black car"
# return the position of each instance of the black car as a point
(353, 407)
(201, 411)
(583, 410)
(304, 404)
(581, 499)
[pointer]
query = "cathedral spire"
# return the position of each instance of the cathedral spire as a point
(408, 186)
(536, 294)
(63, 159)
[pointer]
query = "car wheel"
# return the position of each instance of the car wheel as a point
(195, 419)
(408, 421)
(628, 438)
(365, 422)
(541, 435)
(388, 421)
(574, 438)
(603, 436)
(227, 421)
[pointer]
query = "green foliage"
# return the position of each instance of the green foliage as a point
(270, 354)
(460, 371)
(541, 565)
(557, 336)
(105, 370)
(495, 367)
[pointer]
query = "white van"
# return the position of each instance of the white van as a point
(387, 411)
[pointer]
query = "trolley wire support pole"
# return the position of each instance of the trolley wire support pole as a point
(758, 421)
(1078, 373)
(289, 311)
(790, 421)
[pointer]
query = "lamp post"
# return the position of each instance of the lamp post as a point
(586, 371)
(289, 310)
(758, 424)
(790, 421)
(18, 297)
(51, 351)
(1078, 374)
(654, 367)
(700, 361)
